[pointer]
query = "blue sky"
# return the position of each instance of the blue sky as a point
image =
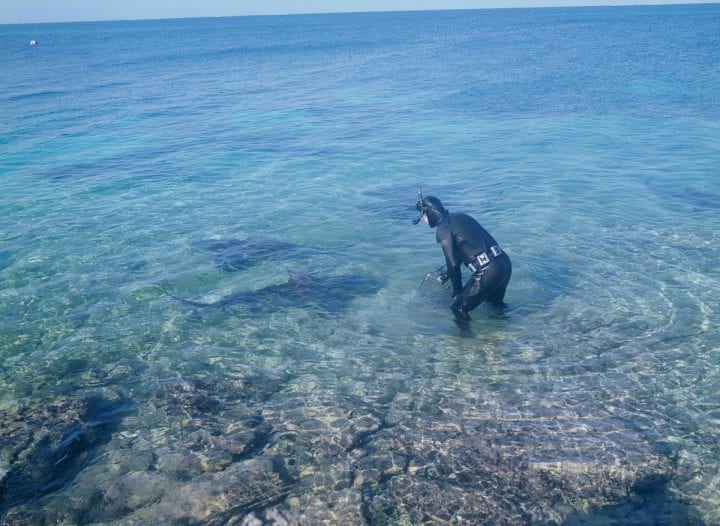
(29, 11)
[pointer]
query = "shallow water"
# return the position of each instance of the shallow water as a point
(585, 140)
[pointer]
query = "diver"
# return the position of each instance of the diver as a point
(464, 241)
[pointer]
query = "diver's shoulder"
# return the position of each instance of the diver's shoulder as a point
(459, 217)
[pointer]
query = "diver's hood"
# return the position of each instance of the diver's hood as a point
(433, 208)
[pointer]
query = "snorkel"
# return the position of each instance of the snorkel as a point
(419, 206)
(430, 208)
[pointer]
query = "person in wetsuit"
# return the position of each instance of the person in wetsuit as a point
(464, 241)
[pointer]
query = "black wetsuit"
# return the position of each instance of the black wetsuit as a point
(463, 240)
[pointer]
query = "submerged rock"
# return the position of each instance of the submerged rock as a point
(44, 448)
(263, 450)
(518, 472)
(223, 497)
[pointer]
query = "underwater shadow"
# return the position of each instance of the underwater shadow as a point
(689, 195)
(232, 255)
(51, 447)
(651, 503)
(331, 294)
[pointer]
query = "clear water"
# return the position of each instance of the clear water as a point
(586, 140)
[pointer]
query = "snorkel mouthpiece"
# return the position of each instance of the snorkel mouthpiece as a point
(419, 206)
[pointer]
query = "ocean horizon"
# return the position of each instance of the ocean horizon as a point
(215, 308)
(352, 12)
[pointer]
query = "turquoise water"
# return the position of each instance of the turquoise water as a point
(147, 163)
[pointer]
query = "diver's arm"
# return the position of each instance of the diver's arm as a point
(453, 265)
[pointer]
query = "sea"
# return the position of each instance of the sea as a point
(215, 308)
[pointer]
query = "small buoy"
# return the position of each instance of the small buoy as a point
(33, 42)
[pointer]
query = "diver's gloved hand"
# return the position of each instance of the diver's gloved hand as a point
(458, 311)
(443, 277)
